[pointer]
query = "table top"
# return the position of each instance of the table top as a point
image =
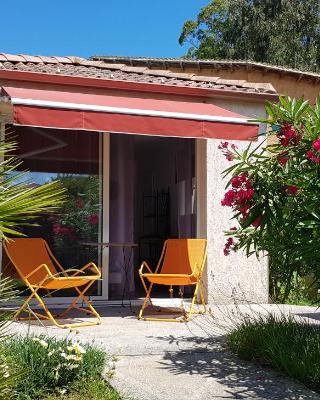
(109, 244)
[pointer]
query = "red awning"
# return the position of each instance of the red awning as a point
(100, 111)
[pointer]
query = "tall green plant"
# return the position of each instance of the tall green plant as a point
(20, 200)
(273, 192)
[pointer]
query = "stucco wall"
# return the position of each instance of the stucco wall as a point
(233, 277)
(288, 85)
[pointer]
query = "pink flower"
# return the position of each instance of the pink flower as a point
(257, 222)
(80, 203)
(316, 144)
(93, 219)
(229, 198)
(241, 195)
(227, 246)
(63, 231)
(288, 135)
(56, 229)
(236, 181)
(244, 196)
(223, 145)
(313, 157)
(243, 176)
(282, 159)
(284, 141)
(292, 189)
(310, 154)
(244, 210)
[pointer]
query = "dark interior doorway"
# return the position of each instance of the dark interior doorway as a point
(152, 198)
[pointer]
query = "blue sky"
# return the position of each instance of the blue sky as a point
(103, 27)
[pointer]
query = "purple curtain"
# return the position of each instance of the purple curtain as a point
(185, 160)
(121, 224)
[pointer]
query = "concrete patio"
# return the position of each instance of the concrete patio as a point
(179, 361)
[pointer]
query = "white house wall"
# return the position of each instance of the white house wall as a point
(234, 277)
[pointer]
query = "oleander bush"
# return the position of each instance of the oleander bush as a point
(273, 193)
(280, 342)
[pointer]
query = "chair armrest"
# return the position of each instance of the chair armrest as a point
(38, 268)
(87, 266)
(145, 264)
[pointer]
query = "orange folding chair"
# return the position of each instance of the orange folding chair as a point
(181, 263)
(39, 269)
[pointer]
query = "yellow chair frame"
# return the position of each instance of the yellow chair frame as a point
(54, 280)
(175, 279)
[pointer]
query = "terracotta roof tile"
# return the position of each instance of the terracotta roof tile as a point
(77, 66)
(180, 75)
(137, 70)
(63, 60)
(47, 60)
(232, 82)
(12, 57)
(89, 63)
(200, 78)
(158, 72)
(33, 59)
(166, 63)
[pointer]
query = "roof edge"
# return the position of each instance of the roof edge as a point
(71, 80)
(202, 64)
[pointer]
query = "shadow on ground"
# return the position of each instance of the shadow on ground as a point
(311, 315)
(210, 358)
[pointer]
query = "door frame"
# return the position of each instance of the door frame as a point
(201, 214)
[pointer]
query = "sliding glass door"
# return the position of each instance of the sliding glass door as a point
(75, 159)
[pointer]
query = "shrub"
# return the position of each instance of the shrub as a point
(280, 342)
(8, 372)
(53, 365)
(20, 203)
(273, 192)
(85, 390)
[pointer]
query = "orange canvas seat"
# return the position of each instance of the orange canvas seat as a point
(64, 283)
(172, 280)
(39, 269)
(181, 263)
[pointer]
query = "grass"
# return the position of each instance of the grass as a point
(89, 390)
(282, 343)
(51, 368)
(303, 302)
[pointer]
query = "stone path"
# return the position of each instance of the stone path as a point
(182, 361)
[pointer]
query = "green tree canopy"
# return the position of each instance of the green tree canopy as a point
(280, 32)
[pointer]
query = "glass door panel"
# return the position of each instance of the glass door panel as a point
(75, 159)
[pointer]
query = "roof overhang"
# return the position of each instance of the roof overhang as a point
(111, 84)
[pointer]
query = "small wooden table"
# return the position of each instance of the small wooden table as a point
(125, 260)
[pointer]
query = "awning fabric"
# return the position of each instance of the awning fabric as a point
(100, 111)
